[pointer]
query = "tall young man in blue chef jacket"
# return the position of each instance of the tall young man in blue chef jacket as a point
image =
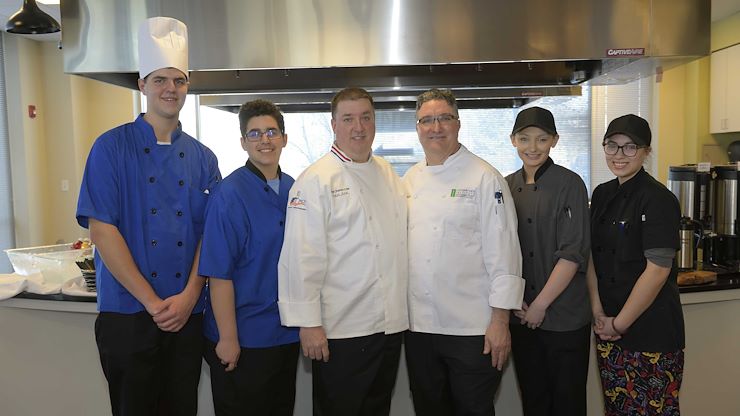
(253, 358)
(143, 197)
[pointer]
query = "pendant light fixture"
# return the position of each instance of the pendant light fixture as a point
(30, 20)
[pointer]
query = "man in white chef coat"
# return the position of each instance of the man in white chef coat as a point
(143, 197)
(342, 272)
(464, 268)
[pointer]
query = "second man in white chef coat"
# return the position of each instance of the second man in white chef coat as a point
(342, 274)
(464, 268)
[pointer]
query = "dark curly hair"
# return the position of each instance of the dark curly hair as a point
(258, 108)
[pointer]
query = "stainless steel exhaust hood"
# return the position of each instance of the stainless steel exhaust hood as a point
(298, 52)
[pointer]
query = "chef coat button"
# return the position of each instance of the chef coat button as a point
(519, 189)
(370, 218)
(377, 246)
(151, 179)
(531, 254)
(535, 187)
(598, 249)
(529, 220)
(178, 275)
(282, 223)
(267, 189)
(601, 220)
(181, 182)
(154, 275)
(179, 213)
(362, 191)
(614, 251)
(179, 243)
(182, 155)
(429, 260)
(531, 287)
(154, 211)
(147, 150)
(154, 242)
(434, 228)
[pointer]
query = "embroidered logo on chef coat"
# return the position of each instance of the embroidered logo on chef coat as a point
(643, 217)
(462, 193)
(297, 202)
(339, 192)
(499, 197)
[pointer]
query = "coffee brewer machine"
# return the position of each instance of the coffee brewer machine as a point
(693, 188)
(724, 244)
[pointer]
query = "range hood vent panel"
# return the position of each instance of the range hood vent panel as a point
(394, 45)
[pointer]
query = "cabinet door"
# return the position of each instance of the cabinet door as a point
(733, 89)
(718, 92)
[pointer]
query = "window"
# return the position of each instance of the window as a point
(485, 132)
(7, 224)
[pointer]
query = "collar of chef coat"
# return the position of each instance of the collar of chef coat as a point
(254, 169)
(540, 171)
(148, 130)
(342, 157)
(449, 161)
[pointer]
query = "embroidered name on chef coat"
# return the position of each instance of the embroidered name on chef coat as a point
(462, 193)
(339, 192)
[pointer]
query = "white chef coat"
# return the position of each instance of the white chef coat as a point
(344, 263)
(464, 255)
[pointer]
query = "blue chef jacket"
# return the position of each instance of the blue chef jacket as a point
(242, 240)
(156, 195)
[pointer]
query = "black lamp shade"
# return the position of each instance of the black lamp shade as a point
(30, 20)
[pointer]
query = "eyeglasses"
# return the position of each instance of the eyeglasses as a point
(256, 135)
(443, 119)
(629, 149)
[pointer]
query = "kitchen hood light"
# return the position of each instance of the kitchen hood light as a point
(30, 20)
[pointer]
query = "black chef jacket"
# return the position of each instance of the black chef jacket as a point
(626, 220)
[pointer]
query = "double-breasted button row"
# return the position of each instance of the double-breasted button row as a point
(154, 212)
(179, 243)
(154, 275)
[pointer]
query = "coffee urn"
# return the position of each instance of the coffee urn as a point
(693, 189)
(722, 248)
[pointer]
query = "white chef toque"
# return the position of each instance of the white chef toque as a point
(163, 43)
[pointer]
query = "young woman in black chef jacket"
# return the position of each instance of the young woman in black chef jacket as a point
(632, 279)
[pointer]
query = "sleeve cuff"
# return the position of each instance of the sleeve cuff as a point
(506, 292)
(300, 314)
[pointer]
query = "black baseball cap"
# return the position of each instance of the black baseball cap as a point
(635, 127)
(535, 116)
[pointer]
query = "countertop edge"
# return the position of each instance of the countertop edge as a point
(692, 298)
(50, 305)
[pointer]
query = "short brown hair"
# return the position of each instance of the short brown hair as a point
(350, 93)
(258, 108)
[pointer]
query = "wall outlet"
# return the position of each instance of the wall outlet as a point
(65, 185)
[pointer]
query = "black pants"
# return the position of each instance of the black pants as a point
(450, 375)
(263, 382)
(359, 378)
(149, 371)
(551, 369)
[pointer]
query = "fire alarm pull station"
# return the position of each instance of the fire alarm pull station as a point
(31, 111)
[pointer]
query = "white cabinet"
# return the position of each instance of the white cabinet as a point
(724, 100)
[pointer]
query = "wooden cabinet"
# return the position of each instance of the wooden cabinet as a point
(724, 101)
